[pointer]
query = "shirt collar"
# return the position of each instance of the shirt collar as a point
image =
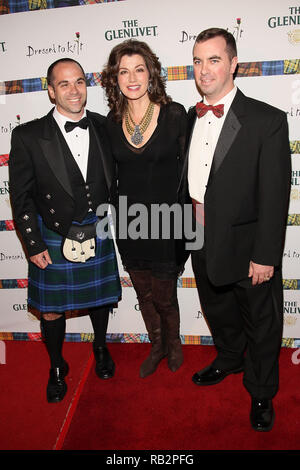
(226, 100)
(61, 119)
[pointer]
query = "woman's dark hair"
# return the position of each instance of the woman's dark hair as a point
(116, 101)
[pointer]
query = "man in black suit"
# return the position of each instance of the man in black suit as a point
(60, 172)
(238, 174)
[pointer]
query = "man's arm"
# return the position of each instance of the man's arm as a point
(22, 185)
(274, 176)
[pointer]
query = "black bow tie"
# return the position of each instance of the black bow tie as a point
(83, 123)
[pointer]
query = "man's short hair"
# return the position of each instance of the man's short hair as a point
(215, 32)
(52, 66)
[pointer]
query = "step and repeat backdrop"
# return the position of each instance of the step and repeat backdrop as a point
(35, 33)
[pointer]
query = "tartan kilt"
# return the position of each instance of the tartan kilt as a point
(64, 286)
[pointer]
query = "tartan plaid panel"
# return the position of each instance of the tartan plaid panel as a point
(190, 72)
(4, 8)
(37, 4)
(295, 146)
(291, 66)
(16, 6)
(293, 219)
(44, 83)
(10, 225)
(4, 159)
(22, 283)
(14, 86)
(249, 69)
(4, 336)
(9, 284)
(275, 67)
(93, 79)
(177, 73)
(32, 84)
(291, 284)
(126, 282)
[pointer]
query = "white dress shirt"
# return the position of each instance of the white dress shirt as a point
(78, 141)
(204, 139)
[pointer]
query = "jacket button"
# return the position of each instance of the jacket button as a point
(28, 230)
(52, 211)
(48, 196)
(32, 242)
(25, 217)
(56, 224)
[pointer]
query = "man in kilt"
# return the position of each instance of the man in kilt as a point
(60, 172)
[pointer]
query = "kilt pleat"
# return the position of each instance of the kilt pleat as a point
(65, 286)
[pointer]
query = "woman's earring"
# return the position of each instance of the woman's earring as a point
(150, 87)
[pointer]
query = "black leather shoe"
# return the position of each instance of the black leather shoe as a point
(57, 388)
(262, 414)
(211, 375)
(105, 366)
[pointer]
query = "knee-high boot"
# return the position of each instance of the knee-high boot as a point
(141, 281)
(165, 301)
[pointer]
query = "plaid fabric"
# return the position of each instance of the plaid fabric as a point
(38, 4)
(274, 67)
(177, 73)
(186, 282)
(291, 66)
(32, 84)
(44, 83)
(4, 8)
(249, 69)
(290, 284)
(4, 159)
(295, 146)
(126, 282)
(65, 286)
(16, 6)
(190, 72)
(14, 86)
(93, 79)
(22, 283)
(10, 225)
(293, 219)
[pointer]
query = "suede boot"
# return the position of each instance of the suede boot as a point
(165, 301)
(141, 281)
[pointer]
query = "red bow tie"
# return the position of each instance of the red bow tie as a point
(202, 109)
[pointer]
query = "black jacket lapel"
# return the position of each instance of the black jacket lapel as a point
(53, 153)
(228, 133)
(100, 139)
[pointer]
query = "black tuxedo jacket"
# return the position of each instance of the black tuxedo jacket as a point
(39, 180)
(246, 199)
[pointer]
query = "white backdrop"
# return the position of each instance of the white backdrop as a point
(268, 39)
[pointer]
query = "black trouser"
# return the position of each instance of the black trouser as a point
(244, 318)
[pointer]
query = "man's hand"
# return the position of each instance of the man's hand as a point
(41, 260)
(260, 273)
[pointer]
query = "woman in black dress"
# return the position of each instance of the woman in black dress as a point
(147, 134)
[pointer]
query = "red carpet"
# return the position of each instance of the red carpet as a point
(165, 411)
(28, 422)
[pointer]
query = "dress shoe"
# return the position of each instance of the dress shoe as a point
(262, 414)
(212, 375)
(105, 366)
(57, 388)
